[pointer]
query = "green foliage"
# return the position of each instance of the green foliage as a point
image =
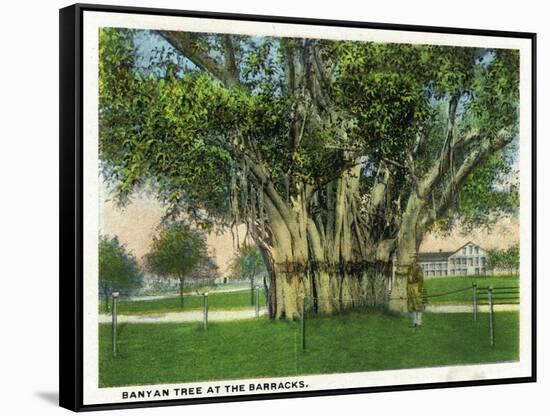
(505, 259)
(178, 129)
(492, 191)
(496, 92)
(175, 251)
(118, 270)
(384, 87)
(206, 271)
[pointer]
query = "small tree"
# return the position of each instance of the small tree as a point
(118, 269)
(248, 264)
(175, 252)
(494, 259)
(206, 271)
(512, 258)
(506, 259)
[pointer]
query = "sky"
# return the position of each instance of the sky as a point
(137, 223)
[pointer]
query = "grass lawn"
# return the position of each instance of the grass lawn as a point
(170, 353)
(439, 285)
(216, 301)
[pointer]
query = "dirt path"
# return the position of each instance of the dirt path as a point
(175, 295)
(189, 316)
(235, 315)
(468, 308)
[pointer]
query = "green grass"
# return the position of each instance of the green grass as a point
(216, 301)
(439, 285)
(170, 353)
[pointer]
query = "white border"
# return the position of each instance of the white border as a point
(92, 21)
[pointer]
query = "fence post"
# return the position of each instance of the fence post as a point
(303, 324)
(205, 311)
(257, 301)
(491, 317)
(114, 321)
(474, 300)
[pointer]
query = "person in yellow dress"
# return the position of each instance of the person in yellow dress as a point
(415, 288)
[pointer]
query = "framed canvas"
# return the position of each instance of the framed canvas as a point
(256, 207)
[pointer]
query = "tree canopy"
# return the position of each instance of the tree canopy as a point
(383, 102)
(175, 251)
(118, 269)
(247, 263)
(334, 154)
(504, 259)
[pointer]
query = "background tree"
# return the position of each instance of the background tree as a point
(175, 252)
(248, 264)
(334, 154)
(118, 269)
(505, 259)
(206, 271)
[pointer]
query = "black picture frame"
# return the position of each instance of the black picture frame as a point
(72, 210)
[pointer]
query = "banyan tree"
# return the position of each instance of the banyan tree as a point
(338, 156)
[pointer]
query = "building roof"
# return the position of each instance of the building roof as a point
(434, 256)
(466, 244)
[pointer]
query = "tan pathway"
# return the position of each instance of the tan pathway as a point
(235, 315)
(468, 308)
(188, 316)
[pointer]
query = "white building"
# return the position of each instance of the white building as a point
(470, 259)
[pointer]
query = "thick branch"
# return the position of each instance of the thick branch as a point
(267, 186)
(334, 175)
(485, 147)
(436, 174)
(230, 61)
(186, 45)
(288, 54)
(446, 157)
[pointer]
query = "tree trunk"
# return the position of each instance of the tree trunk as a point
(269, 291)
(325, 262)
(289, 257)
(252, 290)
(328, 287)
(106, 296)
(182, 281)
(408, 241)
(266, 291)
